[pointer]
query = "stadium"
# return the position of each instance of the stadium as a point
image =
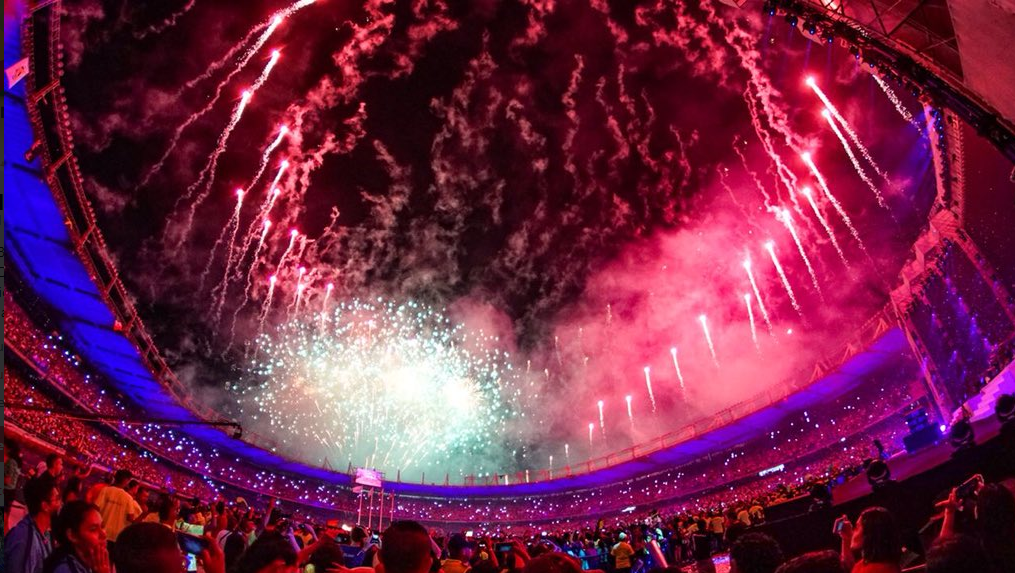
(585, 285)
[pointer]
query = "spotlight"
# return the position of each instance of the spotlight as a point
(961, 435)
(878, 474)
(1004, 408)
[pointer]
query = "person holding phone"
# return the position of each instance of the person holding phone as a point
(875, 540)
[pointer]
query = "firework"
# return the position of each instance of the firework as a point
(630, 414)
(831, 199)
(852, 158)
(899, 107)
(708, 338)
(232, 223)
(809, 195)
(267, 303)
(750, 315)
(648, 386)
(770, 247)
(206, 177)
(757, 294)
(602, 420)
(676, 366)
(592, 429)
(783, 215)
(567, 454)
(428, 394)
(845, 125)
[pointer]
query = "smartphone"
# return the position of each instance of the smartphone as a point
(191, 544)
(468, 534)
(839, 524)
(969, 487)
(504, 548)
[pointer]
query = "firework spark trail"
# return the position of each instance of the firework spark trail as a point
(262, 215)
(708, 338)
(219, 63)
(750, 315)
(806, 192)
(295, 304)
(785, 175)
(250, 284)
(283, 131)
(324, 302)
(899, 106)
(630, 413)
(787, 220)
(175, 139)
(602, 420)
(207, 175)
(676, 366)
(592, 429)
(267, 304)
(845, 125)
(234, 221)
(757, 295)
(567, 454)
(648, 386)
(169, 22)
(770, 247)
(831, 199)
(852, 158)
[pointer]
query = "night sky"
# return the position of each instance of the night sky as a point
(581, 178)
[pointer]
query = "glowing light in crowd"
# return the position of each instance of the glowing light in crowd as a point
(708, 338)
(783, 215)
(648, 386)
(831, 198)
(809, 195)
(852, 158)
(845, 125)
(750, 315)
(676, 366)
(757, 294)
(899, 106)
(602, 421)
(770, 247)
(437, 388)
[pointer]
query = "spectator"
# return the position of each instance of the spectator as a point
(12, 477)
(814, 562)
(553, 563)
(735, 527)
(27, 544)
(80, 539)
(755, 553)
(459, 554)
(957, 554)
(118, 508)
(995, 525)
(875, 540)
(405, 548)
(327, 557)
(151, 548)
(54, 469)
(271, 553)
(75, 487)
(622, 552)
(744, 516)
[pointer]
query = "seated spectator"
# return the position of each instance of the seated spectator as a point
(80, 539)
(152, 548)
(755, 553)
(957, 554)
(405, 548)
(875, 540)
(814, 562)
(27, 544)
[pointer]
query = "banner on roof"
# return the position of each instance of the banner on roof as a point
(17, 72)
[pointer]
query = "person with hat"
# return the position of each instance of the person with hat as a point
(622, 553)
